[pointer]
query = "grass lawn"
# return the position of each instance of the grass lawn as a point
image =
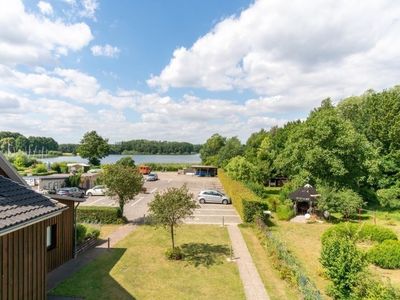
(276, 287)
(138, 269)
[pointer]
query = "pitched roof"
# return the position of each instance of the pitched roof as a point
(305, 193)
(19, 206)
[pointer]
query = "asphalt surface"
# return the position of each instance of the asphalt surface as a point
(136, 209)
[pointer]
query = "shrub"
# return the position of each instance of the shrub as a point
(237, 191)
(92, 232)
(74, 180)
(98, 214)
(343, 264)
(287, 264)
(39, 168)
(252, 208)
(285, 211)
(174, 254)
(371, 289)
(386, 255)
(168, 167)
(80, 233)
(361, 232)
(59, 167)
(273, 202)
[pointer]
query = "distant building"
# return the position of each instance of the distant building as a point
(52, 182)
(304, 199)
(205, 171)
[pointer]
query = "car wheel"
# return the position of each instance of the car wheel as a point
(90, 194)
(225, 202)
(202, 201)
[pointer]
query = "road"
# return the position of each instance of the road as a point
(206, 214)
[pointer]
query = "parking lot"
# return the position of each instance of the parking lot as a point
(206, 214)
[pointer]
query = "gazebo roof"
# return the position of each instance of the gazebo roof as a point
(305, 193)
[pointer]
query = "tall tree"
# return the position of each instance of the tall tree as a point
(233, 147)
(209, 151)
(93, 147)
(171, 207)
(123, 182)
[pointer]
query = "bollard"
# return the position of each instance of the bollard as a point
(223, 221)
(144, 218)
(108, 243)
(231, 252)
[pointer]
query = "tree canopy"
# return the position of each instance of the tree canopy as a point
(93, 147)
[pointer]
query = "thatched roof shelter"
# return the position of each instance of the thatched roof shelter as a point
(306, 193)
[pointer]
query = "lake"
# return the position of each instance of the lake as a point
(139, 159)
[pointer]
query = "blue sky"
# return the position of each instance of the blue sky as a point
(183, 70)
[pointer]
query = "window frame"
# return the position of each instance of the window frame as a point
(53, 237)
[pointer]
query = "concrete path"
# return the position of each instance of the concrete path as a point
(252, 283)
(69, 268)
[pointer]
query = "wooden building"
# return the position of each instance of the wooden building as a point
(304, 199)
(36, 236)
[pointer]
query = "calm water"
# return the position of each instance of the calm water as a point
(139, 159)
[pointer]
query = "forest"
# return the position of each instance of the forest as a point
(153, 147)
(351, 149)
(14, 142)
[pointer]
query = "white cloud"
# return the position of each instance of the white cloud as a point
(89, 8)
(45, 8)
(28, 39)
(106, 50)
(298, 53)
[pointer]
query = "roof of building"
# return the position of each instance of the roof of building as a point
(21, 206)
(54, 176)
(305, 193)
(204, 167)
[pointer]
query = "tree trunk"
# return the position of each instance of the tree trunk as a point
(121, 206)
(172, 237)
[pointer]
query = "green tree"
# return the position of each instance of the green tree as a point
(126, 161)
(343, 264)
(389, 197)
(344, 201)
(232, 148)
(171, 207)
(209, 151)
(124, 182)
(93, 147)
(239, 168)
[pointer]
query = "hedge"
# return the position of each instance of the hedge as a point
(386, 254)
(285, 211)
(99, 214)
(361, 232)
(237, 191)
(84, 231)
(287, 264)
(253, 208)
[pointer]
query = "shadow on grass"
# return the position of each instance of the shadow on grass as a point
(93, 281)
(204, 254)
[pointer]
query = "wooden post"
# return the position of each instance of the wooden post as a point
(231, 252)
(223, 221)
(375, 217)
(108, 243)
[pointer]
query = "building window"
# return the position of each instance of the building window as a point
(51, 236)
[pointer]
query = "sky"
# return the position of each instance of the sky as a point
(182, 70)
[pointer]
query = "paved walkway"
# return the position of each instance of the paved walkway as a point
(66, 270)
(253, 286)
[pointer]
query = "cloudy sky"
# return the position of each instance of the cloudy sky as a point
(182, 70)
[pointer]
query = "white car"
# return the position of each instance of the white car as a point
(98, 190)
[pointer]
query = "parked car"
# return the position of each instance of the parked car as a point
(98, 190)
(71, 192)
(152, 177)
(212, 196)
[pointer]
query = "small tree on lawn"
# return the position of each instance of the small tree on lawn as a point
(344, 201)
(122, 181)
(171, 207)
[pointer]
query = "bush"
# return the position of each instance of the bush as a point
(237, 191)
(39, 168)
(253, 208)
(59, 167)
(80, 233)
(171, 167)
(285, 211)
(174, 254)
(287, 264)
(273, 203)
(386, 255)
(343, 264)
(98, 214)
(92, 232)
(74, 180)
(360, 232)
(371, 289)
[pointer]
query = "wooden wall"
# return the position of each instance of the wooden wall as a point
(64, 249)
(23, 263)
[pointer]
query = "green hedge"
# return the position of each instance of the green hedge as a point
(99, 214)
(386, 254)
(253, 208)
(84, 231)
(237, 191)
(168, 167)
(361, 232)
(288, 264)
(285, 211)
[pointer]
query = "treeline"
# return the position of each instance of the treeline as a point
(153, 147)
(13, 142)
(352, 148)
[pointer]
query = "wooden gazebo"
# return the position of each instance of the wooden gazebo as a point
(304, 199)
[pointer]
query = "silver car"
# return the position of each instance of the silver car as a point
(212, 196)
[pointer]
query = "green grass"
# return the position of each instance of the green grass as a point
(276, 287)
(138, 269)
